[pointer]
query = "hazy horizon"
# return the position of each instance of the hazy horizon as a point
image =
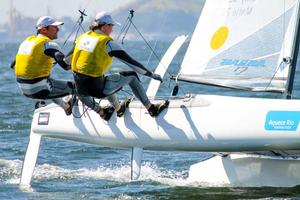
(57, 8)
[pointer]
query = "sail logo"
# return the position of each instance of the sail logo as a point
(282, 121)
(219, 38)
(243, 63)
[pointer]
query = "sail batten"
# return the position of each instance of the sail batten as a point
(240, 40)
(261, 85)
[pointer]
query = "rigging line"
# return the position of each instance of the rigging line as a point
(284, 61)
(76, 35)
(85, 109)
(74, 28)
(161, 27)
(283, 27)
(77, 27)
(121, 32)
(131, 15)
(155, 44)
(150, 48)
(124, 28)
(170, 75)
(150, 56)
(129, 19)
(126, 25)
(78, 23)
(82, 29)
(126, 31)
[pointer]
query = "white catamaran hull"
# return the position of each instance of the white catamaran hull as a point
(246, 171)
(199, 123)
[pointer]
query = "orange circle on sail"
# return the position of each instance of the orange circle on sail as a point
(219, 38)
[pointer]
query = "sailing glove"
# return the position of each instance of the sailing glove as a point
(157, 77)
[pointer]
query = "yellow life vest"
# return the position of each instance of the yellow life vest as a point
(90, 56)
(31, 62)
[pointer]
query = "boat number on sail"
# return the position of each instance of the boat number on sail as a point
(43, 118)
(282, 121)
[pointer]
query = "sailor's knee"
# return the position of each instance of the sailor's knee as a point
(43, 94)
(131, 74)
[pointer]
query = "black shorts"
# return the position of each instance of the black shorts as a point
(89, 86)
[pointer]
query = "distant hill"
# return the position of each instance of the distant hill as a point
(162, 18)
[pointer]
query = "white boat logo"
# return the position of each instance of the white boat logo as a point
(43, 118)
(282, 121)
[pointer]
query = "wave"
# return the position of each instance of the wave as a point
(10, 173)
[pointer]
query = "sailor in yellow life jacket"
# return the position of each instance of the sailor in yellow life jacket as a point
(92, 57)
(34, 62)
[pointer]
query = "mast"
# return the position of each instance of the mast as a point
(292, 71)
(12, 17)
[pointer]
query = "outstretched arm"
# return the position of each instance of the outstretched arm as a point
(114, 50)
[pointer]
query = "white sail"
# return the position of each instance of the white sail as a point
(242, 43)
(164, 64)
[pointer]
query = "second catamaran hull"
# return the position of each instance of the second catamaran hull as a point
(198, 123)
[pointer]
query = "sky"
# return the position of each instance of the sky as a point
(58, 8)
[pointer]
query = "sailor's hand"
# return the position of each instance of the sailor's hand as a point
(157, 77)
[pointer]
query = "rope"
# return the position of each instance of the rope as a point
(84, 110)
(77, 27)
(285, 61)
(124, 31)
(156, 56)
(176, 87)
(125, 28)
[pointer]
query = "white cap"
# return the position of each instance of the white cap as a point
(45, 21)
(104, 18)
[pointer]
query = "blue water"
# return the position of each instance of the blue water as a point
(70, 170)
